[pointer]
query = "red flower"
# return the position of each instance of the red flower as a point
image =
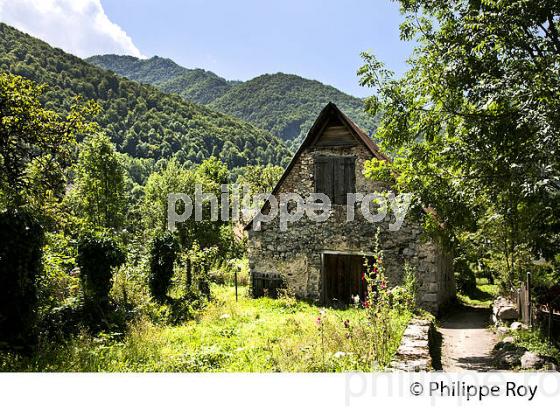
(363, 276)
(318, 321)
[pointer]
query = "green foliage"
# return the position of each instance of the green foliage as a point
(464, 276)
(199, 86)
(534, 340)
(260, 179)
(214, 171)
(100, 184)
(139, 119)
(403, 297)
(59, 283)
(287, 105)
(201, 260)
(21, 241)
(174, 178)
(378, 306)
(284, 104)
(163, 253)
(252, 335)
(224, 272)
(98, 255)
(474, 125)
(36, 143)
(482, 295)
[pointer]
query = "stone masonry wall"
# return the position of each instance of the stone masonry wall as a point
(295, 254)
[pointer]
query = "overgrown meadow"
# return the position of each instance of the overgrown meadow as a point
(251, 335)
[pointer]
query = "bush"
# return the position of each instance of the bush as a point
(98, 255)
(223, 273)
(163, 254)
(464, 276)
(403, 297)
(21, 242)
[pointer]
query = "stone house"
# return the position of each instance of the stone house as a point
(323, 261)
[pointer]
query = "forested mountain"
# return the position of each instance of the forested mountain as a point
(140, 119)
(287, 105)
(283, 104)
(196, 85)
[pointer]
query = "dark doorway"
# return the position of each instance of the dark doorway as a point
(342, 278)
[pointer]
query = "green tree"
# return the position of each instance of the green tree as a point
(35, 148)
(174, 178)
(98, 255)
(100, 183)
(36, 144)
(475, 123)
(215, 170)
(163, 253)
(259, 178)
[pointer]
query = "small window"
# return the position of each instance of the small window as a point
(335, 177)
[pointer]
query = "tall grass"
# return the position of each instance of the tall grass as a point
(253, 335)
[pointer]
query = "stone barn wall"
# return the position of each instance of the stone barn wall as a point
(295, 254)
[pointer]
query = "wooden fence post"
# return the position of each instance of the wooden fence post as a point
(529, 305)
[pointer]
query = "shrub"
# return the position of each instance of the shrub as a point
(21, 242)
(464, 276)
(98, 255)
(163, 254)
(403, 297)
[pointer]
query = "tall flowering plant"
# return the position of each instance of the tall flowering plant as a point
(377, 303)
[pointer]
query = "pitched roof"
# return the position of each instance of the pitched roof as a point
(330, 111)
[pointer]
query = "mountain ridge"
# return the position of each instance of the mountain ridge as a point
(141, 120)
(284, 104)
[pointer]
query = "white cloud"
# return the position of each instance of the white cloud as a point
(80, 27)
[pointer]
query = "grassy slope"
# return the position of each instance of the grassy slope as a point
(253, 335)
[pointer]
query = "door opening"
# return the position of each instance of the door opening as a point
(342, 278)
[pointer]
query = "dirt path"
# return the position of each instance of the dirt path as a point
(466, 340)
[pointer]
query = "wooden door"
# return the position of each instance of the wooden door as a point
(342, 278)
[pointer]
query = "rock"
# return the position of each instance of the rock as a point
(531, 360)
(503, 309)
(508, 339)
(517, 326)
(550, 366)
(420, 365)
(413, 353)
(501, 330)
(504, 346)
(508, 312)
(508, 359)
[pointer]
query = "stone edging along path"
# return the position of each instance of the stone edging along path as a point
(413, 354)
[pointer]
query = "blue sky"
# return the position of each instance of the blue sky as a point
(237, 39)
(319, 39)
